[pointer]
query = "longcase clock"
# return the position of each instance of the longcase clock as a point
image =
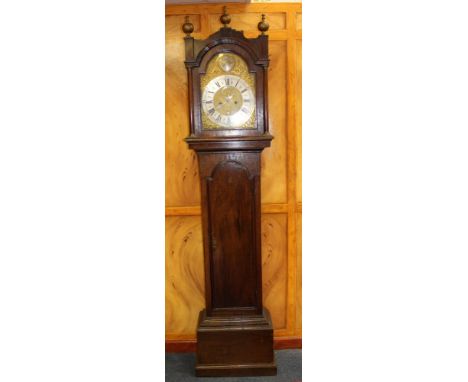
(228, 98)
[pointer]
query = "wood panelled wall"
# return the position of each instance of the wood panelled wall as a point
(281, 169)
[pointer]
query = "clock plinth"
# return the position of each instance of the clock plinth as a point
(235, 346)
(227, 79)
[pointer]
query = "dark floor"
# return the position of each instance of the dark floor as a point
(180, 367)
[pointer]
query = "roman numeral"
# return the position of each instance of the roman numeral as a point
(242, 91)
(218, 118)
(217, 84)
(210, 101)
(245, 110)
(228, 81)
(209, 91)
(211, 111)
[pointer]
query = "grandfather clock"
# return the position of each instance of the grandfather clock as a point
(228, 98)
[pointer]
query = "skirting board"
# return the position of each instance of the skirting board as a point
(189, 346)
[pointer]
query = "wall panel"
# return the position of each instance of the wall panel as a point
(299, 276)
(185, 288)
(274, 177)
(173, 23)
(299, 120)
(182, 180)
(274, 263)
(299, 21)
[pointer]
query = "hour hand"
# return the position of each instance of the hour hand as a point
(228, 99)
(219, 105)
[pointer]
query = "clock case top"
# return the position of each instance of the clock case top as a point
(198, 54)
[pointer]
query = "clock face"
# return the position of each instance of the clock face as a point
(227, 93)
(228, 101)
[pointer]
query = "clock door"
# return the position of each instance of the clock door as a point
(231, 215)
(230, 209)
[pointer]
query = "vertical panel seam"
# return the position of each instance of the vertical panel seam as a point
(291, 158)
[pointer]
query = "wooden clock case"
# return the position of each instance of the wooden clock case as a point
(235, 332)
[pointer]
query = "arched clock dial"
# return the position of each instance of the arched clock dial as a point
(228, 101)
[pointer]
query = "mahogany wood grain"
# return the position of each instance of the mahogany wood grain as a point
(231, 204)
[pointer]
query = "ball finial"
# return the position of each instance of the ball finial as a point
(225, 18)
(263, 25)
(187, 27)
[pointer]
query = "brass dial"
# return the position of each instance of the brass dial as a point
(228, 101)
(228, 97)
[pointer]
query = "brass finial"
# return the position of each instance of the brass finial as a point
(263, 25)
(225, 18)
(187, 27)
